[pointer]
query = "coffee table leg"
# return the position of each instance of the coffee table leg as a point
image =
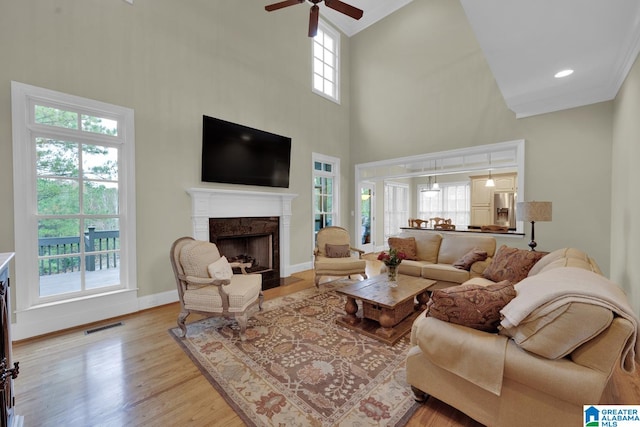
(423, 299)
(351, 307)
(387, 322)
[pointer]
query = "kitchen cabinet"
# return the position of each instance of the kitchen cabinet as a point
(504, 183)
(482, 200)
(481, 215)
(480, 194)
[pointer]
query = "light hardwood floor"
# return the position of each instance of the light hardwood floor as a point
(136, 375)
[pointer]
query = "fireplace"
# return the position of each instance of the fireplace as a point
(209, 204)
(252, 241)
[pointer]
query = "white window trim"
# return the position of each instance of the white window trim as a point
(33, 319)
(335, 161)
(392, 184)
(336, 36)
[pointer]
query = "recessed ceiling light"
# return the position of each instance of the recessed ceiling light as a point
(563, 73)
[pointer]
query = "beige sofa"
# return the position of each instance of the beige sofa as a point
(544, 365)
(437, 252)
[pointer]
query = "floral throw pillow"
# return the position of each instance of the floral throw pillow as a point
(407, 245)
(474, 306)
(467, 260)
(337, 251)
(511, 264)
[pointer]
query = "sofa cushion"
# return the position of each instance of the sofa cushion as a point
(566, 257)
(427, 244)
(337, 251)
(557, 333)
(474, 255)
(474, 306)
(406, 245)
(411, 268)
(511, 264)
(444, 273)
(455, 246)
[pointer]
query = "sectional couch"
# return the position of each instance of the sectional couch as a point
(555, 345)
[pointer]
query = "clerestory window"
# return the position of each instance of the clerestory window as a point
(326, 64)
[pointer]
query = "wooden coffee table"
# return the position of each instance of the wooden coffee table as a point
(387, 313)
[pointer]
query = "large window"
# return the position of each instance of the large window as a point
(451, 202)
(326, 194)
(326, 54)
(396, 208)
(74, 205)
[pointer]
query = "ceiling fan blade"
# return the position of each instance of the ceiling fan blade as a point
(347, 9)
(280, 5)
(314, 15)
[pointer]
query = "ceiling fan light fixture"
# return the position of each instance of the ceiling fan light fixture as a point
(563, 73)
(314, 14)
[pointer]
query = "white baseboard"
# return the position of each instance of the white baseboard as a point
(45, 319)
(298, 268)
(155, 300)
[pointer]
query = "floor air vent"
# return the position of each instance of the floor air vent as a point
(102, 328)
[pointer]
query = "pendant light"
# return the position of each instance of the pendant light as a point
(435, 186)
(432, 188)
(490, 181)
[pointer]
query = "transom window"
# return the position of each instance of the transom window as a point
(326, 54)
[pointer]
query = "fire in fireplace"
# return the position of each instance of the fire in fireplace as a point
(253, 241)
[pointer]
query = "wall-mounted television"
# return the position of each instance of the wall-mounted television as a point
(237, 154)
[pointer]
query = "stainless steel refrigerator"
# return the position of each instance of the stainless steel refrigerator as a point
(504, 205)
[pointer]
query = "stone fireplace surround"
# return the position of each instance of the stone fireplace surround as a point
(209, 203)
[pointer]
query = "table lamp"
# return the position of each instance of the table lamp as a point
(533, 212)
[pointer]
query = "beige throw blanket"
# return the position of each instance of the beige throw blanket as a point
(476, 356)
(545, 292)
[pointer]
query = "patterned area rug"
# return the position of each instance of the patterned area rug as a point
(297, 367)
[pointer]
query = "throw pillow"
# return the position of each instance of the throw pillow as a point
(337, 251)
(220, 269)
(511, 264)
(467, 260)
(406, 245)
(474, 306)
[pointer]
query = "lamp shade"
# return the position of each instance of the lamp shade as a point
(533, 211)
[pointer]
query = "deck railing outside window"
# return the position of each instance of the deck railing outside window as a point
(102, 249)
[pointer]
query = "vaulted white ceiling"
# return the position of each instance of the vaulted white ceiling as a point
(526, 42)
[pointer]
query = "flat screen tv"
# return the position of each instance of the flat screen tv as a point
(237, 154)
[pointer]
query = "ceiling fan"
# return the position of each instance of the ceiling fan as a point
(341, 7)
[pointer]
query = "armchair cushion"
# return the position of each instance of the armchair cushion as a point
(220, 269)
(195, 256)
(406, 245)
(337, 251)
(474, 306)
(511, 264)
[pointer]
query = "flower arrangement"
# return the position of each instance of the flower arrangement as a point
(393, 258)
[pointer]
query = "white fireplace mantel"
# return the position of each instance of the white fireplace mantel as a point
(217, 203)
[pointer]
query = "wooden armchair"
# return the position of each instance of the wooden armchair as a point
(207, 285)
(333, 255)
